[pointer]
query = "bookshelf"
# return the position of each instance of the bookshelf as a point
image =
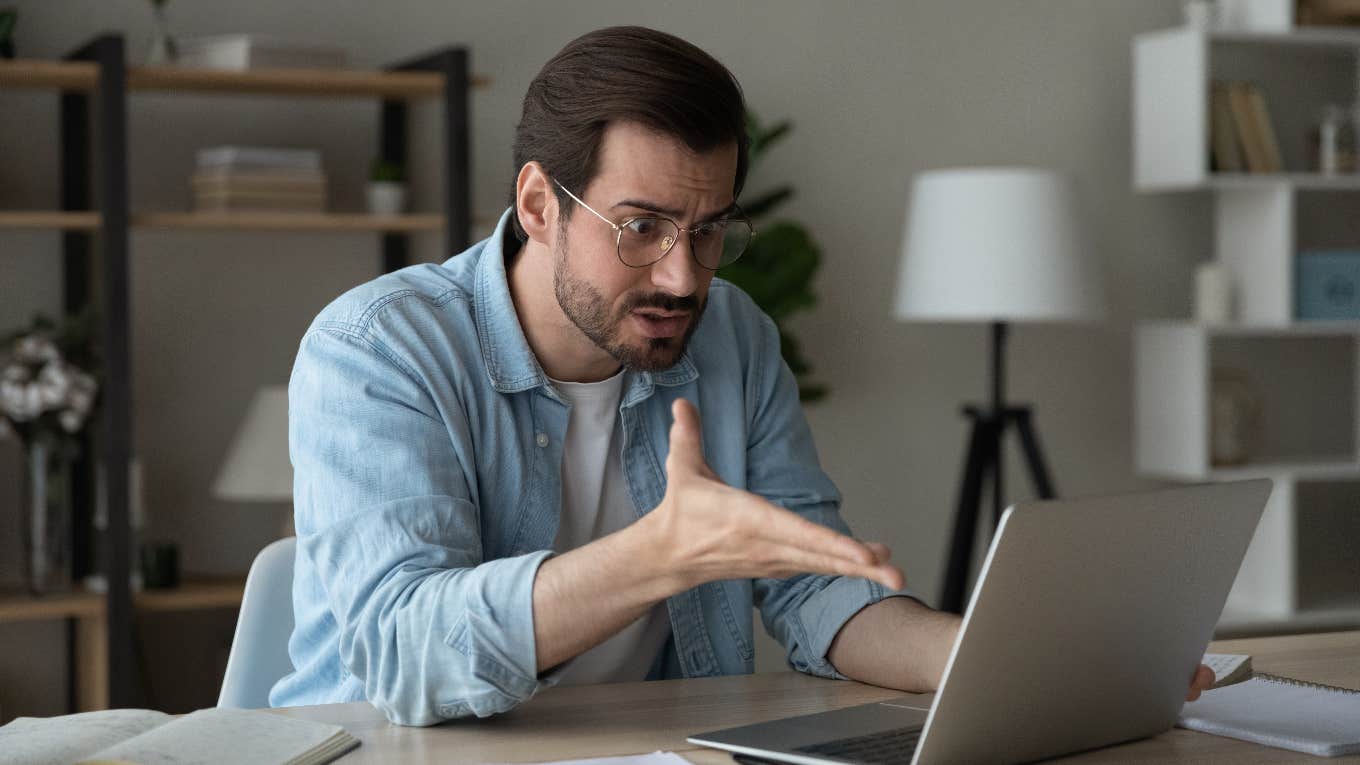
(94, 88)
(1300, 572)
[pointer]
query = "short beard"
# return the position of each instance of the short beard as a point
(589, 311)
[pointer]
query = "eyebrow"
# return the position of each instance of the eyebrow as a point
(659, 209)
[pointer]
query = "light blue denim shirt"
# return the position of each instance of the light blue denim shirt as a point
(426, 447)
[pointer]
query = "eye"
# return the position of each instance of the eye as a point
(644, 227)
(709, 230)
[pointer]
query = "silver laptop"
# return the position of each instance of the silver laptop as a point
(1086, 625)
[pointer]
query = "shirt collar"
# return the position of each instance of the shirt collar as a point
(510, 363)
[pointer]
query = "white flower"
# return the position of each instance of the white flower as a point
(16, 372)
(36, 348)
(56, 384)
(70, 421)
(33, 402)
(14, 401)
(80, 401)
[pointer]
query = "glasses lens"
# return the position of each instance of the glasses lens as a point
(730, 245)
(643, 241)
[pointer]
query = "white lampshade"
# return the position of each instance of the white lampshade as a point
(257, 468)
(996, 244)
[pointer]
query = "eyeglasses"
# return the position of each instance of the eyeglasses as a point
(644, 239)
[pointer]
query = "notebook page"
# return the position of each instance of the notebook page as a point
(62, 740)
(1296, 717)
(218, 736)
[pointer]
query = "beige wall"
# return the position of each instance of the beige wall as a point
(878, 91)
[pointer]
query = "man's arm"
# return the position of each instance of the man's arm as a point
(869, 647)
(702, 531)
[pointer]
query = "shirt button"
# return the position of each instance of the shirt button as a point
(542, 440)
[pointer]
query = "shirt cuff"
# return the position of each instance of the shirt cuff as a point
(825, 613)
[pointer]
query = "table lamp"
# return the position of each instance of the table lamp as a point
(995, 245)
(257, 468)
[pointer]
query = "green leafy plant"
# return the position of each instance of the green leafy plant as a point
(384, 171)
(780, 261)
(8, 18)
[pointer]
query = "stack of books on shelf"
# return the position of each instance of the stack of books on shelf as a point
(1242, 139)
(253, 179)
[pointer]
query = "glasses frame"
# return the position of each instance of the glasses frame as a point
(618, 233)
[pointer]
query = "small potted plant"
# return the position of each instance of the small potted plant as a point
(386, 188)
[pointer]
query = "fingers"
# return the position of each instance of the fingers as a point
(813, 548)
(880, 551)
(803, 561)
(687, 449)
(1203, 680)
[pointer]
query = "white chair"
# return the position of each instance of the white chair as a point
(259, 650)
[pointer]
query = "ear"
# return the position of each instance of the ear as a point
(536, 204)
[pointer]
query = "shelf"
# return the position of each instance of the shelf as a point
(264, 221)
(47, 219)
(1242, 623)
(1300, 37)
(39, 73)
(193, 595)
(241, 221)
(72, 75)
(1338, 468)
(20, 606)
(1293, 329)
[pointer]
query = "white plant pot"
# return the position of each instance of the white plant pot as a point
(386, 198)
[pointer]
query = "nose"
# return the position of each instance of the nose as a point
(678, 272)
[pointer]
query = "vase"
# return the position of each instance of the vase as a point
(47, 516)
(386, 197)
(163, 50)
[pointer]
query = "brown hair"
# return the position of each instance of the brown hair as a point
(628, 74)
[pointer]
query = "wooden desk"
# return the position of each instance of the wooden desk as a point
(602, 720)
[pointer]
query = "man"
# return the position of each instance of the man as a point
(502, 478)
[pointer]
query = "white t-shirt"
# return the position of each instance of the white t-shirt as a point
(595, 503)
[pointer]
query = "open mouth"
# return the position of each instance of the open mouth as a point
(657, 323)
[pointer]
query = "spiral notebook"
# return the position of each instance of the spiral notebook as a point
(1278, 711)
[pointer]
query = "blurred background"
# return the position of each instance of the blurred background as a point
(875, 93)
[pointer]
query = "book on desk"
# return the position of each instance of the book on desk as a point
(142, 735)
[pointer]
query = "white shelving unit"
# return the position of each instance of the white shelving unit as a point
(1303, 568)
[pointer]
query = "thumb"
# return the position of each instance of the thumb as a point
(687, 449)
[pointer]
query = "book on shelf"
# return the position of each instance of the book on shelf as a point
(1226, 149)
(143, 735)
(243, 52)
(1242, 136)
(257, 179)
(259, 158)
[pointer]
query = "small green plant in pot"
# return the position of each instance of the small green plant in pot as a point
(781, 259)
(386, 188)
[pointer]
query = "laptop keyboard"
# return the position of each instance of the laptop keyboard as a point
(890, 747)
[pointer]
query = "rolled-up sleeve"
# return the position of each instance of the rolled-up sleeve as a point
(387, 522)
(805, 612)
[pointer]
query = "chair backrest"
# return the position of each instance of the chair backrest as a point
(259, 650)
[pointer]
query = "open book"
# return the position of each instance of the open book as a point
(154, 738)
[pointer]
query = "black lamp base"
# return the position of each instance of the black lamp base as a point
(982, 466)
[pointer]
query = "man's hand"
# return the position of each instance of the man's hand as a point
(1201, 682)
(705, 530)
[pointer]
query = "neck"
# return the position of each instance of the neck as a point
(562, 349)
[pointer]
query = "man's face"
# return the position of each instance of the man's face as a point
(643, 317)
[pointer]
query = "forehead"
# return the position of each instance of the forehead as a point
(636, 161)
